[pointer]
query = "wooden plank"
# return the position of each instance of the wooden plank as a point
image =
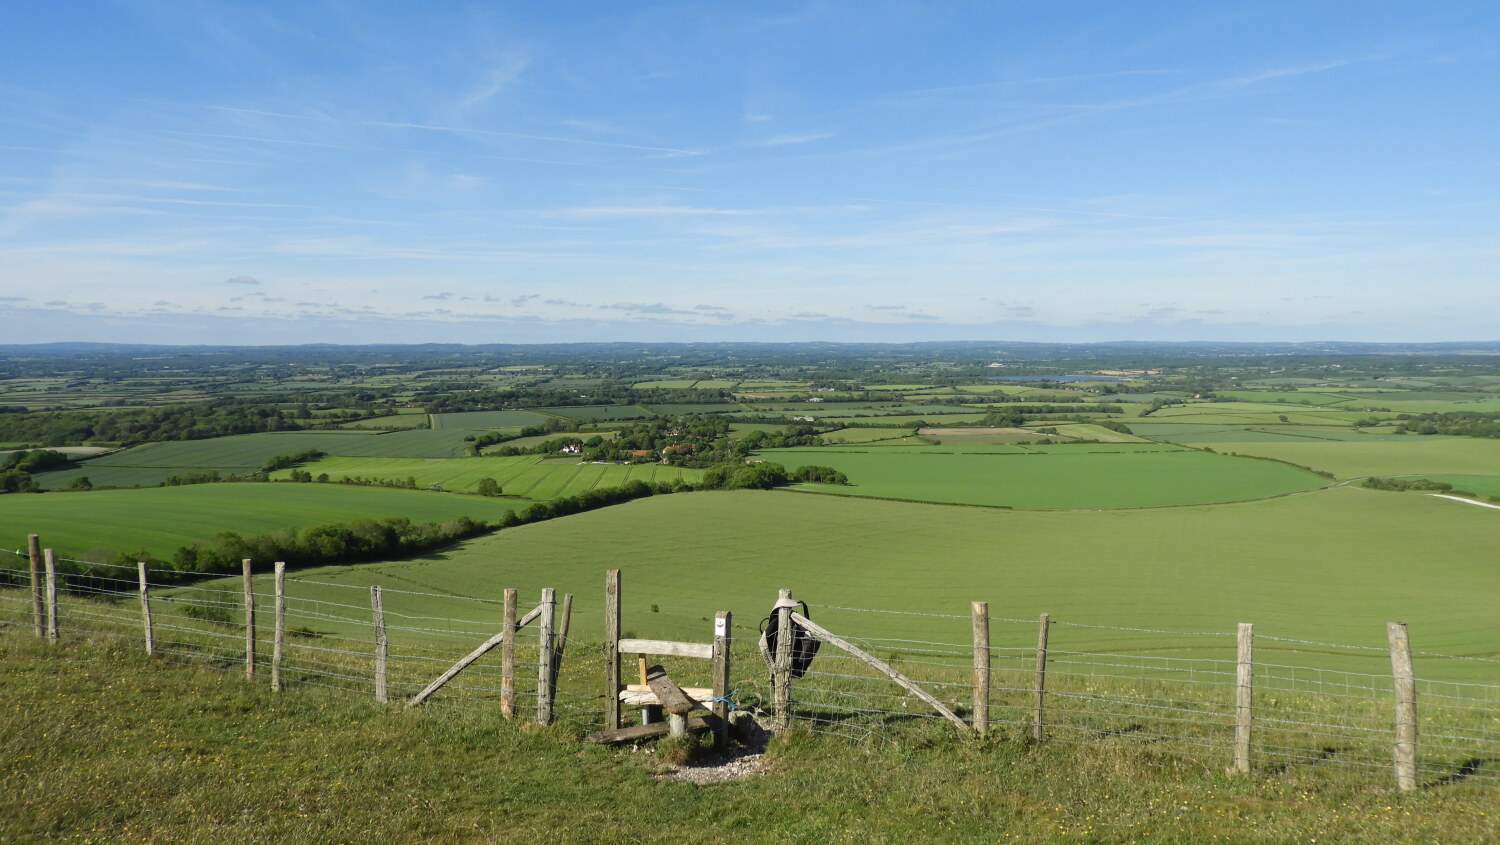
(562, 642)
(140, 569)
(278, 635)
(1406, 706)
(667, 648)
(901, 680)
(980, 613)
(1244, 677)
(508, 656)
(468, 659)
(781, 668)
(671, 696)
(546, 643)
(694, 723)
(1039, 680)
(634, 696)
(611, 650)
(50, 563)
(249, 620)
(723, 640)
(38, 598)
(377, 621)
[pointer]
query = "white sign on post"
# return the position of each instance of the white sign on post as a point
(719, 627)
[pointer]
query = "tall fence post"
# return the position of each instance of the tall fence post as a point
(249, 620)
(1039, 680)
(612, 650)
(545, 645)
(1406, 706)
(562, 646)
(278, 630)
(781, 673)
(50, 562)
(1243, 698)
(723, 640)
(980, 610)
(38, 601)
(140, 569)
(508, 657)
(377, 620)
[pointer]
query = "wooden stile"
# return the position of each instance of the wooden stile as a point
(1244, 676)
(38, 599)
(508, 656)
(377, 620)
(668, 648)
(278, 631)
(1039, 680)
(980, 610)
(612, 650)
(1406, 706)
(249, 620)
(140, 569)
(50, 563)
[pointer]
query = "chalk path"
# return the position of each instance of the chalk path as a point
(1465, 501)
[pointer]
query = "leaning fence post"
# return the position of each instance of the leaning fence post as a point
(140, 569)
(508, 657)
(980, 610)
(377, 614)
(1039, 681)
(38, 602)
(1244, 675)
(51, 565)
(249, 620)
(1406, 706)
(612, 650)
(545, 644)
(278, 632)
(562, 646)
(782, 670)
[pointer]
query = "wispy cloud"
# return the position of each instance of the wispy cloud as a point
(784, 140)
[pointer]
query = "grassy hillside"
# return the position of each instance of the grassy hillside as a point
(163, 518)
(1202, 568)
(103, 745)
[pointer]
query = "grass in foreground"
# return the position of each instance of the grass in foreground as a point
(105, 746)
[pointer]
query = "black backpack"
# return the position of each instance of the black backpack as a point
(804, 644)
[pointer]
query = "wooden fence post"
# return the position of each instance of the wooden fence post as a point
(508, 657)
(980, 610)
(1406, 706)
(377, 619)
(249, 620)
(1243, 692)
(781, 671)
(545, 645)
(140, 569)
(723, 640)
(38, 601)
(1039, 681)
(612, 650)
(50, 563)
(278, 631)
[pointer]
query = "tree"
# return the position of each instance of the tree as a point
(81, 483)
(488, 487)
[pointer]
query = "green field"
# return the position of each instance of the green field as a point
(528, 476)
(161, 519)
(597, 413)
(1201, 568)
(1395, 455)
(865, 435)
(1080, 476)
(488, 419)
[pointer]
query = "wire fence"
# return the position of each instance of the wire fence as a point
(1315, 704)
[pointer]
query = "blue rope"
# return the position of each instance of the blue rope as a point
(729, 699)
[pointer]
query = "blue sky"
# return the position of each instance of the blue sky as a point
(354, 172)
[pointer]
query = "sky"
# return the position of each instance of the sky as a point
(351, 171)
